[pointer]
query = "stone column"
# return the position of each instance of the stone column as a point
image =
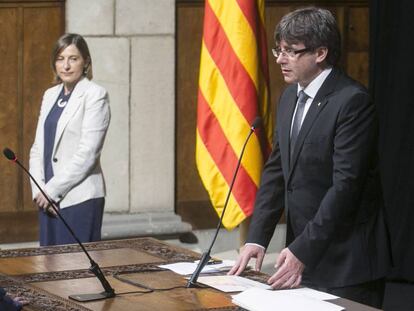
(132, 48)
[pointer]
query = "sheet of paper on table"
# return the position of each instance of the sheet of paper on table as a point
(257, 299)
(312, 293)
(230, 283)
(185, 268)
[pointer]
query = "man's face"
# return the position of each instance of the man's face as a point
(301, 67)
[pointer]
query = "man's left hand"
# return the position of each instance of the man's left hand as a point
(289, 273)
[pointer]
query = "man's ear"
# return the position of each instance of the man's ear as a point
(322, 53)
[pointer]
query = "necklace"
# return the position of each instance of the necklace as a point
(62, 102)
(63, 99)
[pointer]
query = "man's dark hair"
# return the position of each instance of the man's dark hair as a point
(314, 27)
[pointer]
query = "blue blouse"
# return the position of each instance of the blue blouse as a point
(50, 132)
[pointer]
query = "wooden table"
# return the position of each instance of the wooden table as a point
(48, 275)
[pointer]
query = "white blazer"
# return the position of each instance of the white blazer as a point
(80, 135)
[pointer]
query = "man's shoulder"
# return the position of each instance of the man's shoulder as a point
(349, 94)
(349, 85)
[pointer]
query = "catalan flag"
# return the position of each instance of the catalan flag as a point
(233, 91)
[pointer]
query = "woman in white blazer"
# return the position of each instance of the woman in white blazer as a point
(65, 156)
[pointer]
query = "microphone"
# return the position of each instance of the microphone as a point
(206, 255)
(95, 269)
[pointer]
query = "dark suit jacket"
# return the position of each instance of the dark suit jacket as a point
(6, 303)
(331, 191)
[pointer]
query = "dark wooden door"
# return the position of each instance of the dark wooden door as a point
(192, 201)
(29, 30)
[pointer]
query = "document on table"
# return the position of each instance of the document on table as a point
(257, 299)
(230, 283)
(185, 268)
(312, 293)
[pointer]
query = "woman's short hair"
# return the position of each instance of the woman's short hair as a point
(62, 43)
(314, 27)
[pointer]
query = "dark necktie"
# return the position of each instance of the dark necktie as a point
(303, 97)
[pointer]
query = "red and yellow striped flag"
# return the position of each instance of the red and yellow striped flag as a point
(233, 91)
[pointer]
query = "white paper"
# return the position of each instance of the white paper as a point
(312, 293)
(257, 299)
(230, 283)
(185, 268)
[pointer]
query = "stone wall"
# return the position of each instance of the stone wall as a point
(133, 55)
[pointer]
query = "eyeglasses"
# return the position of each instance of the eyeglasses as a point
(288, 52)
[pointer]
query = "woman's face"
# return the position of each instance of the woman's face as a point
(69, 66)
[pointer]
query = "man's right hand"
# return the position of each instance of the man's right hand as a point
(248, 251)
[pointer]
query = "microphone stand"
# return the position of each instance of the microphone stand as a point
(192, 282)
(94, 268)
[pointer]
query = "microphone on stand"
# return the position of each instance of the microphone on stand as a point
(95, 269)
(192, 282)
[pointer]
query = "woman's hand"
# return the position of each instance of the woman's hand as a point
(42, 202)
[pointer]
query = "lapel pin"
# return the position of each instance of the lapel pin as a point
(319, 104)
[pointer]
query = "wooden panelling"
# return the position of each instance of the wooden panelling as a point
(357, 56)
(192, 201)
(18, 226)
(9, 110)
(29, 30)
(358, 29)
(358, 66)
(37, 74)
(189, 35)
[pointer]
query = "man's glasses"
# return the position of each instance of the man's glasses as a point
(288, 52)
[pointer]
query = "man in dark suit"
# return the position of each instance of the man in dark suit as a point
(9, 304)
(322, 171)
